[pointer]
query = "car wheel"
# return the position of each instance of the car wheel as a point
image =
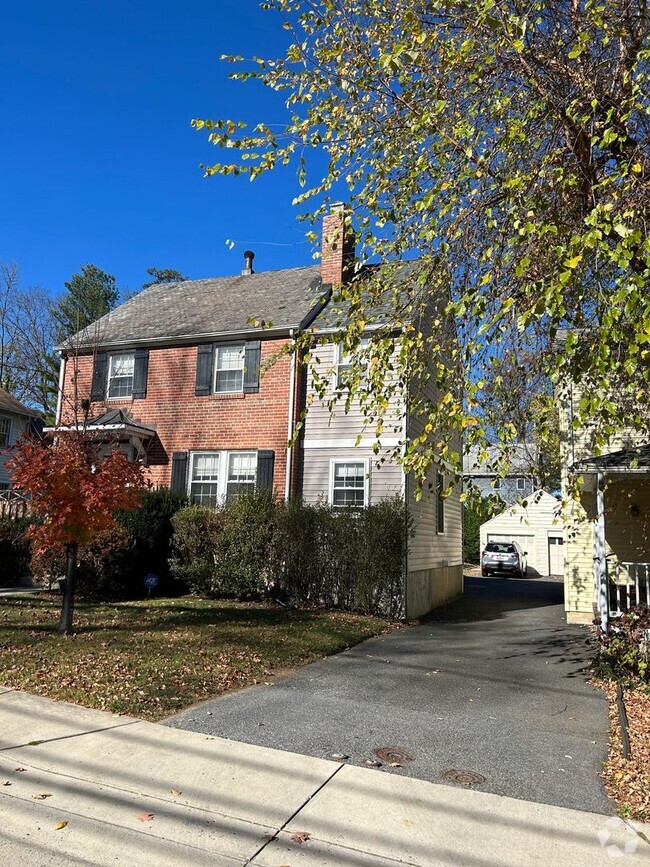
(485, 573)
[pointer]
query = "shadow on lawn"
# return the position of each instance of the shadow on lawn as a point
(142, 617)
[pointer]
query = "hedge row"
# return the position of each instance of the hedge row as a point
(294, 552)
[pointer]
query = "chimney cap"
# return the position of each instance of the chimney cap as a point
(248, 263)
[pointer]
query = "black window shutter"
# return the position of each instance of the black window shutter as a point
(178, 482)
(265, 461)
(100, 377)
(204, 358)
(140, 371)
(252, 355)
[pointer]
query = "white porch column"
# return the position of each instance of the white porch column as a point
(600, 563)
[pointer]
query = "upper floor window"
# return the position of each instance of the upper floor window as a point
(120, 374)
(521, 484)
(345, 360)
(229, 368)
(497, 484)
(348, 484)
(5, 430)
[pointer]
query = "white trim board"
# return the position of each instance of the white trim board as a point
(364, 442)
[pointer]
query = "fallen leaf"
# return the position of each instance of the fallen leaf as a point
(394, 765)
(145, 817)
(7, 783)
(42, 796)
(176, 793)
(60, 826)
(300, 836)
(372, 763)
(340, 757)
(20, 770)
(268, 837)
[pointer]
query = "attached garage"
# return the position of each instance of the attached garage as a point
(537, 526)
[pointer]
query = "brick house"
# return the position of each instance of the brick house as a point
(194, 379)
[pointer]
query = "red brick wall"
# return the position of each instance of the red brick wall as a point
(185, 422)
(337, 250)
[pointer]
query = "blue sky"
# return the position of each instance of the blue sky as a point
(98, 162)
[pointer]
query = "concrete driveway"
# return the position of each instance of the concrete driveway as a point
(493, 684)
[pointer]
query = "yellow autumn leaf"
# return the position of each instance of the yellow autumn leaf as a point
(574, 261)
(60, 826)
(486, 278)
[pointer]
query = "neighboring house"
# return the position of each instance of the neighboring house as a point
(174, 377)
(517, 483)
(607, 518)
(536, 524)
(16, 419)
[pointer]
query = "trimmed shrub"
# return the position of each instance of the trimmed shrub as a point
(150, 526)
(106, 567)
(194, 547)
(295, 552)
(15, 551)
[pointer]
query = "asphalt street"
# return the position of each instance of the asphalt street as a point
(494, 684)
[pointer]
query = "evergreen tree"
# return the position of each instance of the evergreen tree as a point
(163, 275)
(90, 294)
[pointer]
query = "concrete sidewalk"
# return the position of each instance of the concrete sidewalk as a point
(138, 793)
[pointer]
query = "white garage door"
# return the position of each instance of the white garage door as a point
(527, 544)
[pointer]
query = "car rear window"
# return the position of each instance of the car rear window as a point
(500, 547)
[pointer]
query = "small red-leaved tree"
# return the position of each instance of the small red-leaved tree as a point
(74, 494)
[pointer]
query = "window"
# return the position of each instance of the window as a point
(241, 474)
(521, 484)
(5, 430)
(229, 368)
(204, 479)
(344, 359)
(348, 484)
(497, 484)
(218, 476)
(440, 503)
(120, 375)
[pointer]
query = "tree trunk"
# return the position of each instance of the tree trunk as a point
(65, 622)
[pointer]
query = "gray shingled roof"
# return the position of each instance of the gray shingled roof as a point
(219, 305)
(9, 403)
(626, 460)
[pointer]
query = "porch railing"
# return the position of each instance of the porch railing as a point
(629, 586)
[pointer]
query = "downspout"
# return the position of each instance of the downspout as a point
(602, 600)
(59, 397)
(290, 426)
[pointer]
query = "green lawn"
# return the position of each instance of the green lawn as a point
(153, 658)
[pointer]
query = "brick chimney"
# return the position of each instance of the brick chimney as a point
(337, 253)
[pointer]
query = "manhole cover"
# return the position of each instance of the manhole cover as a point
(465, 778)
(394, 754)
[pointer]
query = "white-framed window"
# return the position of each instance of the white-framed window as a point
(120, 375)
(349, 483)
(5, 430)
(440, 504)
(229, 368)
(521, 484)
(242, 470)
(216, 477)
(344, 360)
